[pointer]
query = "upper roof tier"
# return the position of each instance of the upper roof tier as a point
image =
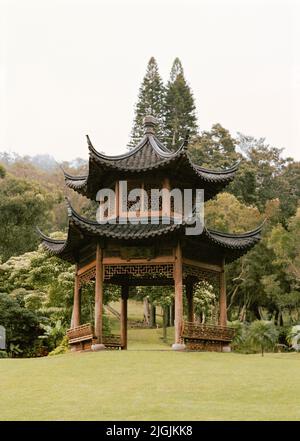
(148, 156)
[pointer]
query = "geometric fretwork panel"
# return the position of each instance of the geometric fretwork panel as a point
(87, 276)
(149, 271)
(212, 277)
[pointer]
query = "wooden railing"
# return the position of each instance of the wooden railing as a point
(111, 340)
(199, 331)
(80, 333)
(84, 333)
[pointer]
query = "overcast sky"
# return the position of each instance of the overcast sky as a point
(72, 67)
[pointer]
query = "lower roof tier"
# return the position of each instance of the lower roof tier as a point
(83, 232)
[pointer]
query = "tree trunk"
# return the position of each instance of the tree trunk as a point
(168, 316)
(280, 319)
(255, 310)
(124, 298)
(146, 310)
(242, 316)
(152, 316)
(165, 321)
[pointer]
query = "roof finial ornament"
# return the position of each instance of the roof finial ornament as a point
(149, 124)
(89, 141)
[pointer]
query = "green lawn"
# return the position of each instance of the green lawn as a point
(151, 384)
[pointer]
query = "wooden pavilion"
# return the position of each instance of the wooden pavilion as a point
(144, 254)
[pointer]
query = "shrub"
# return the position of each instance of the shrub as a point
(263, 334)
(283, 336)
(3, 354)
(22, 326)
(293, 337)
(62, 348)
(241, 342)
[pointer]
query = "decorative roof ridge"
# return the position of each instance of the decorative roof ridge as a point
(72, 213)
(159, 148)
(246, 234)
(161, 145)
(73, 177)
(49, 239)
(165, 154)
(223, 171)
(125, 155)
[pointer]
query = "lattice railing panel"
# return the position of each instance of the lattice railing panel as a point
(150, 271)
(199, 331)
(80, 331)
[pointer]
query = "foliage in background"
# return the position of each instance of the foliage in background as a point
(180, 109)
(205, 302)
(294, 337)
(173, 105)
(23, 204)
(151, 101)
(214, 149)
(22, 326)
(2, 172)
(39, 289)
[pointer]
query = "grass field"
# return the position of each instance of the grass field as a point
(145, 384)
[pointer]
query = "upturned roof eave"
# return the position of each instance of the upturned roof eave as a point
(80, 227)
(215, 177)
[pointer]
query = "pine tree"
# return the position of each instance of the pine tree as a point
(176, 70)
(151, 101)
(180, 114)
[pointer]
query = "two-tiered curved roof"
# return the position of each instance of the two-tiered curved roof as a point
(150, 158)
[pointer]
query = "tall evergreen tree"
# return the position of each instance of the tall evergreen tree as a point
(176, 70)
(151, 101)
(180, 114)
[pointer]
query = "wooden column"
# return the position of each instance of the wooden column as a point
(98, 295)
(222, 300)
(117, 203)
(76, 301)
(124, 298)
(178, 297)
(190, 301)
(166, 203)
